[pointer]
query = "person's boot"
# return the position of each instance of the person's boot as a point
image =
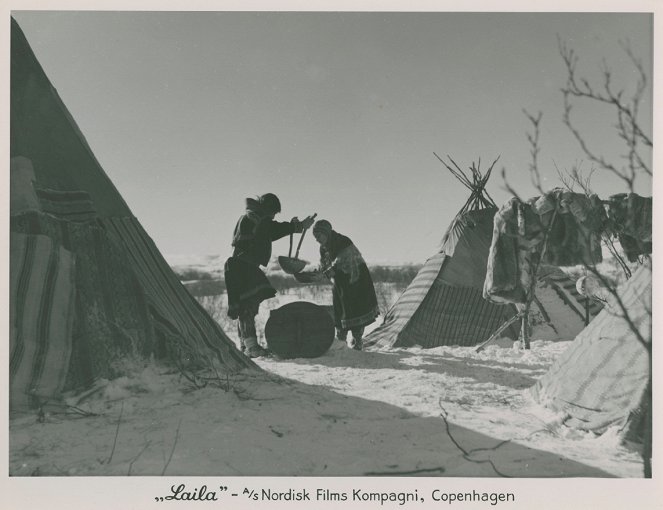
(341, 334)
(357, 343)
(257, 352)
(242, 347)
(354, 343)
(253, 349)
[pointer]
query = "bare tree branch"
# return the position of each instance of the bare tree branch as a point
(628, 127)
(533, 139)
(170, 457)
(131, 464)
(402, 473)
(117, 431)
(507, 187)
(467, 454)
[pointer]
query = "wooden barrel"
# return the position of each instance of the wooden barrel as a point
(299, 330)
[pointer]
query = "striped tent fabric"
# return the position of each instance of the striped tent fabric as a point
(67, 205)
(112, 318)
(600, 379)
(387, 334)
(453, 316)
(42, 294)
(175, 311)
(444, 305)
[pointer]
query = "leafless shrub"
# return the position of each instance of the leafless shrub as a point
(631, 167)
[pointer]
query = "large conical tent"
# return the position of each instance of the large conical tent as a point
(88, 287)
(600, 380)
(444, 304)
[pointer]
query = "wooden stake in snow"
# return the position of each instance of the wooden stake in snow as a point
(497, 333)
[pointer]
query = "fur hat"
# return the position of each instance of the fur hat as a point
(270, 203)
(322, 226)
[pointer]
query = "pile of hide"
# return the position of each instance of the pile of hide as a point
(560, 228)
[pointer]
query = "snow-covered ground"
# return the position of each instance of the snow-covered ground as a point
(437, 423)
(427, 412)
(345, 413)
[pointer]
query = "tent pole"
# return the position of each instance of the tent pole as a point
(524, 326)
(508, 323)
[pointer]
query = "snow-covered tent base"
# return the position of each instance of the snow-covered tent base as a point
(599, 381)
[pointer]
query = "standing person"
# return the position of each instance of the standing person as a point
(355, 303)
(246, 284)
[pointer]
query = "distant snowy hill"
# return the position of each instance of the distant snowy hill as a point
(212, 265)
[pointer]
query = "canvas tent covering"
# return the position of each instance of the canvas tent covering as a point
(88, 287)
(600, 380)
(444, 303)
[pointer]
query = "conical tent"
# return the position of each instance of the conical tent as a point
(88, 287)
(444, 304)
(599, 381)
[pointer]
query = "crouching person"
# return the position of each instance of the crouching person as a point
(355, 303)
(246, 284)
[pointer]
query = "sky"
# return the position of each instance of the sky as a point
(338, 113)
